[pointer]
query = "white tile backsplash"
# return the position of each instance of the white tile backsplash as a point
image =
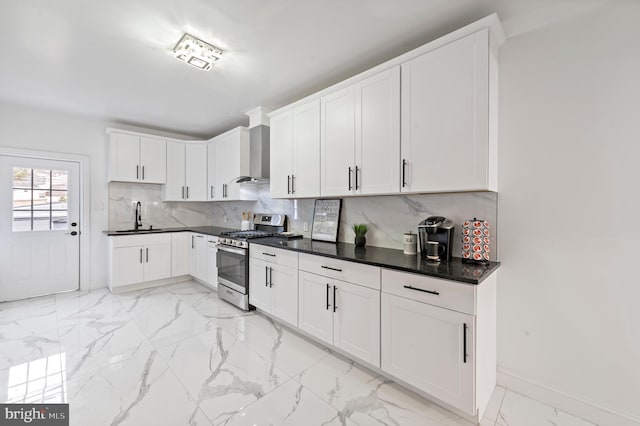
(388, 217)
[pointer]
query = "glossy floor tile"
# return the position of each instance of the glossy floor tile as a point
(178, 355)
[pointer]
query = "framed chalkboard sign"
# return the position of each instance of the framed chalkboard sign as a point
(326, 220)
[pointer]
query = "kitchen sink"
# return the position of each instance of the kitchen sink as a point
(140, 230)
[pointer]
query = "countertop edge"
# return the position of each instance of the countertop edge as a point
(472, 281)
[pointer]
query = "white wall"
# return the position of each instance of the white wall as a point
(569, 297)
(37, 129)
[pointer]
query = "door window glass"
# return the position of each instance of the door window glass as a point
(39, 199)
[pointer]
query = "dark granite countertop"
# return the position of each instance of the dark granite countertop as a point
(454, 270)
(207, 230)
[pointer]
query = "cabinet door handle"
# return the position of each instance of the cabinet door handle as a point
(269, 254)
(419, 289)
(288, 184)
(270, 277)
(266, 276)
(404, 167)
(187, 192)
(335, 304)
(142, 172)
(183, 192)
(193, 244)
(464, 343)
(211, 191)
(140, 255)
(328, 286)
(137, 172)
(350, 179)
(147, 249)
(293, 184)
(333, 269)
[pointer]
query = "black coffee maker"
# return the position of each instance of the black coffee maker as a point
(436, 238)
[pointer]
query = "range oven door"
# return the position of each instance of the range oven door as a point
(233, 268)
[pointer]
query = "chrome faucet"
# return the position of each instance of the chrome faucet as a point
(138, 217)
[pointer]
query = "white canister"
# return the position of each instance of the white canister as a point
(410, 243)
(245, 225)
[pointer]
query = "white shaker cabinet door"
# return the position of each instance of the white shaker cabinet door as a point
(283, 286)
(153, 160)
(425, 346)
(305, 180)
(258, 284)
(196, 172)
(378, 146)
(212, 265)
(124, 157)
(211, 171)
(157, 261)
(357, 321)
(281, 154)
(174, 190)
(315, 310)
(127, 266)
(338, 141)
(180, 253)
(445, 117)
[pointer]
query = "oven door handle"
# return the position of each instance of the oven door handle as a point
(231, 249)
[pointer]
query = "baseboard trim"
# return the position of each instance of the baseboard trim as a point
(569, 403)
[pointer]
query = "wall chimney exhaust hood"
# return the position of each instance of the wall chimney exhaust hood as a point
(259, 148)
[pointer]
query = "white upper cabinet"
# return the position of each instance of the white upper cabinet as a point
(230, 153)
(295, 152)
(360, 143)
(445, 118)
(135, 158)
(211, 171)
(186, 171)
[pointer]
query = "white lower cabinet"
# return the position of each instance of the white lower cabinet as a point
(273, 288)
(342, 314)
(180, 253)
(212, 264)
(430, 348)
(198, 259)
(136, 259)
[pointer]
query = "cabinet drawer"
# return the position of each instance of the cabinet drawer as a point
(451, 295)
(365, 275)
(274, 255)
(140, 240)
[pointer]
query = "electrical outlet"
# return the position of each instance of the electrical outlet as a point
(306, 227)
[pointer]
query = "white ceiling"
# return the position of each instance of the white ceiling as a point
(112, 59)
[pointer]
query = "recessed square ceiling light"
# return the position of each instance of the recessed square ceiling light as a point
(196, 52)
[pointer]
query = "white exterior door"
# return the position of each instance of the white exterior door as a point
(39, 230)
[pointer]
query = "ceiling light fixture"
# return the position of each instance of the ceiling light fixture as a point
(196, 52)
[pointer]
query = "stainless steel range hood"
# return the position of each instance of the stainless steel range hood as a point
(259, 148)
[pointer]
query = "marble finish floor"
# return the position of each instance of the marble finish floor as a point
(177, 355)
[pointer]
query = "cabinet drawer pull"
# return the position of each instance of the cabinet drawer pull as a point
(269, 254)
(333, 269)
(356, 178)
(404, 166)
(464, 343)
(335, 304)
(419, 289)
(328, 296)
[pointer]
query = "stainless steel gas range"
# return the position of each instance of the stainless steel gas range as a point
(233, 260)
